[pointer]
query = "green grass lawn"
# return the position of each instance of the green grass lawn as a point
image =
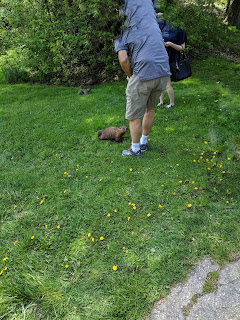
(89, 234)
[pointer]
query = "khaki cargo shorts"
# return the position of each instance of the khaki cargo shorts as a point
(143, 95)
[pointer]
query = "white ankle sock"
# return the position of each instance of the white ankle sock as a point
(135, 147)
(143, 139)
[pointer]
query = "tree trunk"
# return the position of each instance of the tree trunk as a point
(234, 13)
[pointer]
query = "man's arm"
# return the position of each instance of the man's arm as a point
(125, 62)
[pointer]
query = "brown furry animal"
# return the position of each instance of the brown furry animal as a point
(112, 133)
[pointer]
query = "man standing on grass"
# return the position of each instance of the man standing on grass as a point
(148, 72)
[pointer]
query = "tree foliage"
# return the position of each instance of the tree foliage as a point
(62, 40)
(71, 41)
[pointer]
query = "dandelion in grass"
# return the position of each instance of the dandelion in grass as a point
(89, 235)
(149, 215)
(114, 268)
(1, 272)
(129, 203)
(42, 201)
(15, 207)
(194, 160)
(229, 158)
(223, 171)
(64, 191)
(5, 268)
(93, 239)
(126, 251)
(46, 226)
(108, 214)
(58, 227)
(205, 142)
(130, 169)
(66, 266)
(162, 185)
(15, 242)
(100, 180)
(160, 206)
(101, 238)
(114, 210)
(180, 181)
(132, 233)
(196, 188)
(32, 237)
(129, 218)
(6, 258)
(86, 177)
(227, 202)
(189, 205)
(134, 207)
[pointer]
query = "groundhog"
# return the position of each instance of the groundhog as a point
(112, 133)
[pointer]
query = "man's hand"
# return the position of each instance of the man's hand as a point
(124, 62)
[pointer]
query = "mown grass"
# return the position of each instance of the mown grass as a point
(72, 207)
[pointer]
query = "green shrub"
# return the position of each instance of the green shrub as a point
(206, 31)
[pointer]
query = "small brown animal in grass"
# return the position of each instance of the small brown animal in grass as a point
(112, 133)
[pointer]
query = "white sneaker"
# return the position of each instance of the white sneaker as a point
(170, 106)
(160, 104)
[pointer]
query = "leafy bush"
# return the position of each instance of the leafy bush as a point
(204, 26)
(66, 41)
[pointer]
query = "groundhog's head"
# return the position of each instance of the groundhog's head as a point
(123, 128)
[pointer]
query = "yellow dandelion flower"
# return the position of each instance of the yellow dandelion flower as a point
(130, 169)
(160, 206)
(66, 266)
(194, 160)
(149, 214)
(100, 179)
(178, 164)
(58, 227)
(189, 205)
(196, 188)
(101, 238)
(64, 191)
(15, 206)
(6, 258)
(134, 208)
(108, 214)
(227, 202)
(129, 203)
(209, 168)
(1, 272)
(125, 195)
(129, 218)
(15, 242)
(69, 176)
(42, 201)
(77, 165)
(46, 226)
(86, 177)
(65, 172)
(5, 268)
(205, 142)
(180, 181)
(115, 268)
(229, 158)
(162, 185)
(32, 237)
(132, 233)
(126, 251)
(115, 210)
(223, 171)
(89, 235)
(133, 204)
(193, 182)
(93, 239)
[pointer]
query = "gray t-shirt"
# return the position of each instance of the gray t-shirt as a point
(143, 40)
